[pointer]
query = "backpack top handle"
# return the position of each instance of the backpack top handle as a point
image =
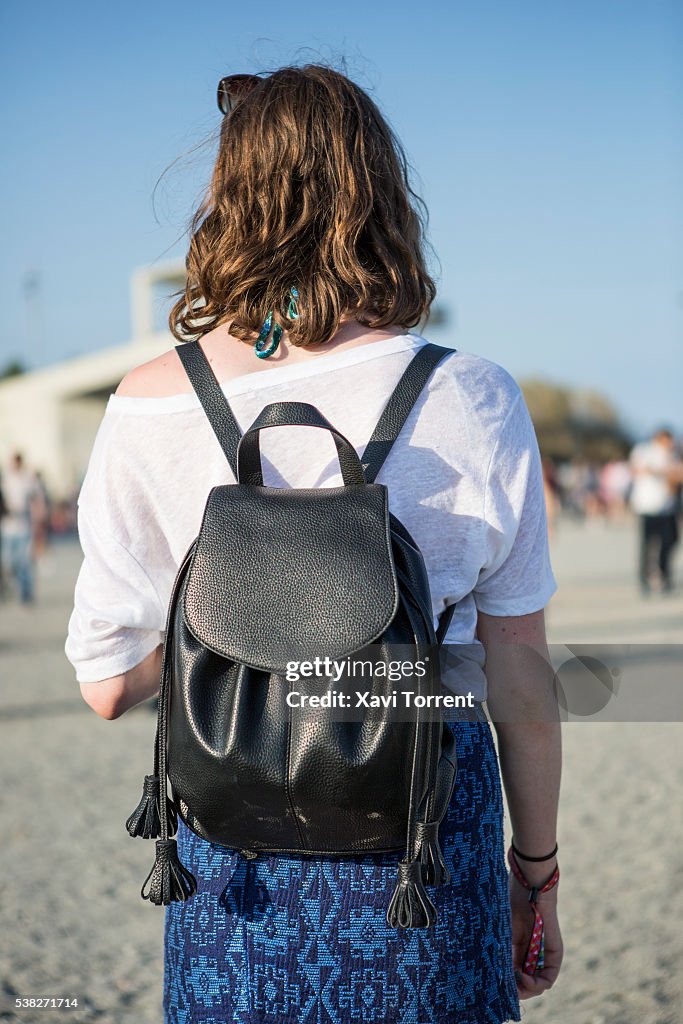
(294, 414)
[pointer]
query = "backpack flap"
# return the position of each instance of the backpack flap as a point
(282, 575)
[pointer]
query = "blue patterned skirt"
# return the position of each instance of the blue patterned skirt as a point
(298, 940)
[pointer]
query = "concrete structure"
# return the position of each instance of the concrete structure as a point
(52, 414)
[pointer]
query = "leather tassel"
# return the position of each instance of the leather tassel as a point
(145, 821)
(410, 906)
(169, 880)
(434, 870)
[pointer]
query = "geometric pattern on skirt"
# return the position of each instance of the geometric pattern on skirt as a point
(303, 940)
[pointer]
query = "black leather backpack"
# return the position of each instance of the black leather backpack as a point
(287, 573)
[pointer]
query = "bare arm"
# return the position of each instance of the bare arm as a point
(524, 711)
(110, 698)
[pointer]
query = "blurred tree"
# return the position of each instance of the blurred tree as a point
(12, 369)
(438, 316)
(575, 423)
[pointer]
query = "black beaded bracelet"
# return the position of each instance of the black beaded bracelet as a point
(523, 856)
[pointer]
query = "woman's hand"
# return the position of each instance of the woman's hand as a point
(529, 985)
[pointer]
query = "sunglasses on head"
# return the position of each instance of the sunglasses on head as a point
(233, 89)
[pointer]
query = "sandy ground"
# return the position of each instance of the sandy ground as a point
(73, 923)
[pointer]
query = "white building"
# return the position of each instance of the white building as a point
(51, 415)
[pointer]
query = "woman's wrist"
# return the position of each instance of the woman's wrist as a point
(538, 874)
(536, 871)
(533, 858)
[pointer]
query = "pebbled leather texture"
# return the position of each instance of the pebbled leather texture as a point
(249, 773)
(282, 575)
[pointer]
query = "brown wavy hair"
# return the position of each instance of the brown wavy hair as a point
(310, 188)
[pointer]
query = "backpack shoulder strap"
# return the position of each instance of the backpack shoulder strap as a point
(214, 402)
(397, 409)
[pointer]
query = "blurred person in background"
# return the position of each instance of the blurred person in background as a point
(676, 480)
(579, 485)
(40, 521)
(3, 510)
(63, 516)
(551, 491)
(592, 499)
(20, 491)
(567, 475)
(615, 488)
(657, 473)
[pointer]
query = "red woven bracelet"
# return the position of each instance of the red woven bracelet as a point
(534, 956)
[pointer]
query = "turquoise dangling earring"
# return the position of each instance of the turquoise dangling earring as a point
(293, 309)
(262, 348)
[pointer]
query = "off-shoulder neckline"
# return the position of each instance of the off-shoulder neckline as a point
(260, 379)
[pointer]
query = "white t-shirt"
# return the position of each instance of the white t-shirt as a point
(464, 478)
(651, 494)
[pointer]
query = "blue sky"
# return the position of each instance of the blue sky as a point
(547, 140)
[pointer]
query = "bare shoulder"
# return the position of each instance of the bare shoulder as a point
(165, 375)
(156, 378)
